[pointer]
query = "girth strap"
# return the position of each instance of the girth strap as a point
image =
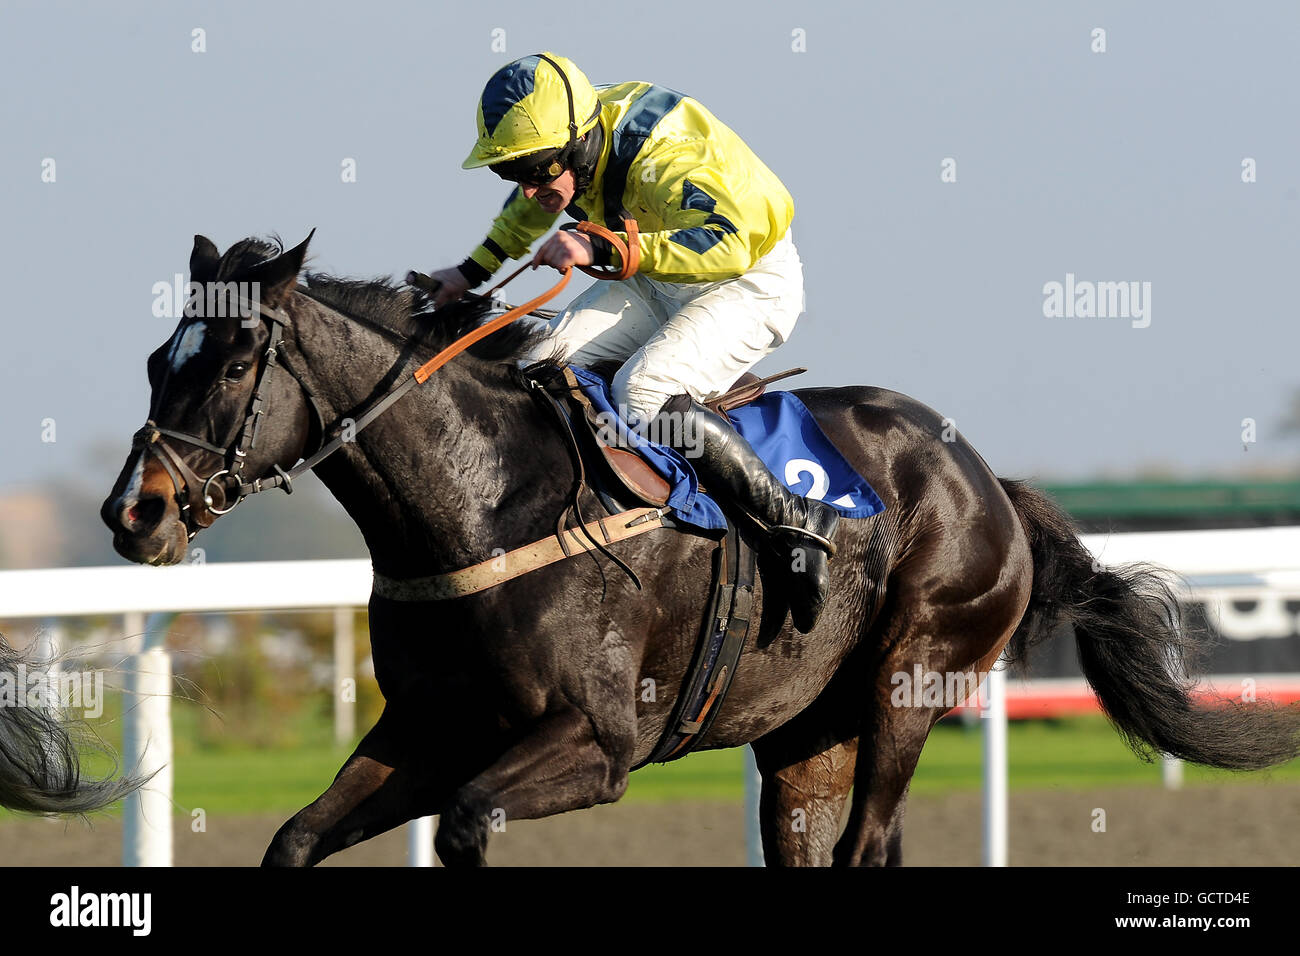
(513, 564)
(717, 654)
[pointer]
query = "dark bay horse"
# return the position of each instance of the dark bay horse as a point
(529, 698)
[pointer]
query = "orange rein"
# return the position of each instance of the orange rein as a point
(630, 256)
(629, 253)
(483, 331)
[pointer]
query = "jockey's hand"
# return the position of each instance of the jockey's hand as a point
(564, 249)
(453, 286)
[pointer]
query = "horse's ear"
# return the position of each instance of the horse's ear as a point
(204, 260)
(277, 277)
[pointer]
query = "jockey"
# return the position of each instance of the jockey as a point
(719, 285)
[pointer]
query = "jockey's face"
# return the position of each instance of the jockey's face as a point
(555, 195)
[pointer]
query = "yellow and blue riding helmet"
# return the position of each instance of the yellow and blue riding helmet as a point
(528, 121)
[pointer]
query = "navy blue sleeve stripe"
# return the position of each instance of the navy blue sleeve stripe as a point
(701, 239)
(693, 197)
(727, 225)
(629, 136)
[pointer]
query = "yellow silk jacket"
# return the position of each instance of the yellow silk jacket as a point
(707, 208)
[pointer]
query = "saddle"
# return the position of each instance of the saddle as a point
(629, 471)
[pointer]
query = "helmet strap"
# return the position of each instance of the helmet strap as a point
(568, 92)
(586, 156)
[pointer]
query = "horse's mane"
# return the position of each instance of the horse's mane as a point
(408, 314)
(401, 310)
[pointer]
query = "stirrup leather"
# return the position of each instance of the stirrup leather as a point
(827, 544)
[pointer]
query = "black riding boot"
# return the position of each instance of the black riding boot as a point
(799, 528)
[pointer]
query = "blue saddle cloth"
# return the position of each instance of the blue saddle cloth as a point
(779, 428)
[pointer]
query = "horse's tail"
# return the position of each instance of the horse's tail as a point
(1133, 652)
(40, 764)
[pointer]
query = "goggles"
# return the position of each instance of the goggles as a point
(535, 169)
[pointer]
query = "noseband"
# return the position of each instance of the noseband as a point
(198, 497)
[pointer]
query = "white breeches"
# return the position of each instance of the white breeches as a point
(674, 338)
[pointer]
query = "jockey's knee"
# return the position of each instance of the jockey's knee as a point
(661, 418)
(637, 400)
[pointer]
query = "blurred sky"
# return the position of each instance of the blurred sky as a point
(1124, 165)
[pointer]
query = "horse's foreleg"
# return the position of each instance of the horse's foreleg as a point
(558, 765)
(373, 792)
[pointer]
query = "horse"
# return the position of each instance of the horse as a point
(528, 699)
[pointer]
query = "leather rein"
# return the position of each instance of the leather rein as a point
(202, 500)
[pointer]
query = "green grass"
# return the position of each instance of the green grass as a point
(1074, 753)
(1077, 753)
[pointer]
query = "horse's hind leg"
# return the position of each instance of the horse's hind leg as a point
(807, 769)
(890, 749)
(951, 634)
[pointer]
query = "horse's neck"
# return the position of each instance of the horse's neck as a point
(460, 467)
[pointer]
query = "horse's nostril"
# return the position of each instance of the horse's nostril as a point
(141, 513)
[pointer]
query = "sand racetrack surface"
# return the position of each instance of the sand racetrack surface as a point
(1226, 825)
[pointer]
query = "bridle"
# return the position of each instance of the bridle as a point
(196, 496)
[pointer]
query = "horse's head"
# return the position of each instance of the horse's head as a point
(221, 415)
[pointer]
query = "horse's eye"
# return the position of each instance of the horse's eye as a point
(236, 371)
